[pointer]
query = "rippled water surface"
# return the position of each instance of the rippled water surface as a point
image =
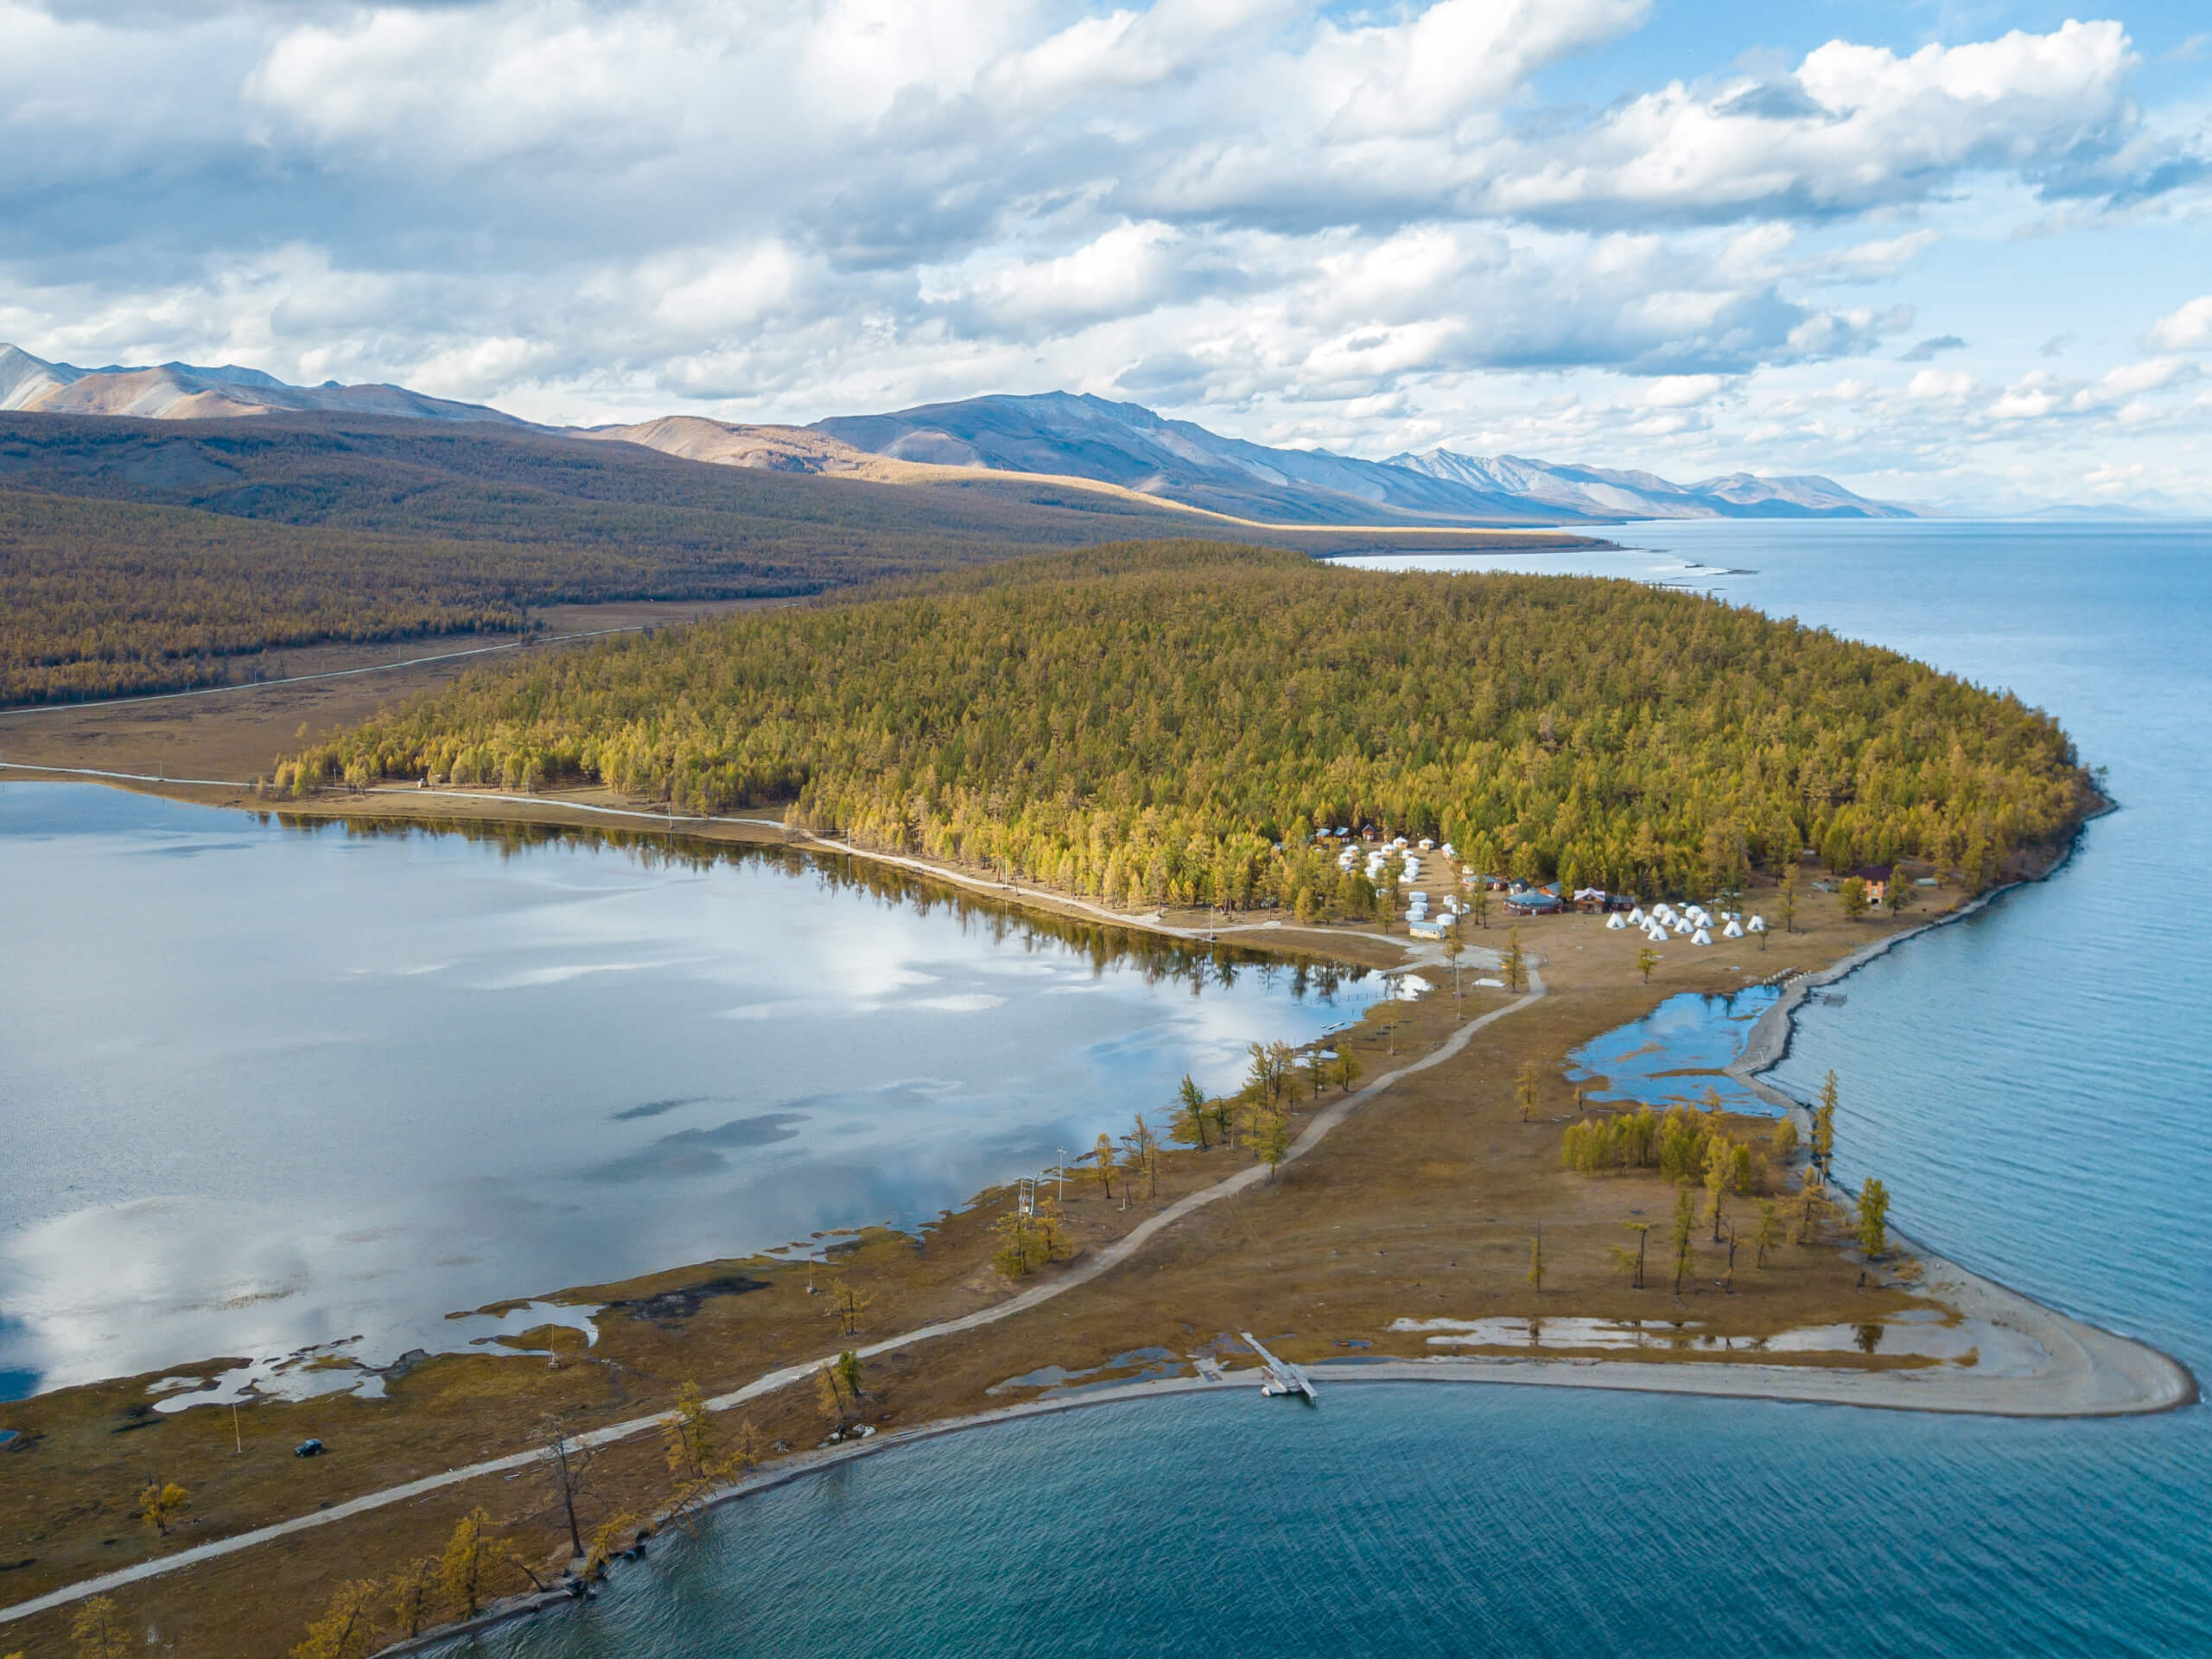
(263, 1088)
(2033, 1086)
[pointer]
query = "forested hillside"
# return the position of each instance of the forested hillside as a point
(135, 554)
(1147, 723)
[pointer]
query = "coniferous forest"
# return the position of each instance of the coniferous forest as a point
(1167, 721)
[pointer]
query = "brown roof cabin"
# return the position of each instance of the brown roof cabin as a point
(1877, 877)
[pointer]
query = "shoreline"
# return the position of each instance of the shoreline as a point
(2088, 1373)
(541, 809)
(1892, 1390)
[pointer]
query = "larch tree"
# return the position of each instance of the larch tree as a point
(1515, 965)
(1536, 1259)
(1646, 960)
(1792, 874)
(347, 1629)
(1853, 898)
(472, 1563)
(1189, 1127)
(99, 1631)
(1873, 1218)
(1720, 1176)
(1268, 1132)
(409, 1594)
(1812, 1209)
(1102, 1166)
(1784, 1138)
(564, 1465)
(1633, 1262)
(1770, 1231)
(1683, 1235)
(1824, 1123)
(160, 1503)
(847, 1301)
(1524, 1089)
(1347, 1069)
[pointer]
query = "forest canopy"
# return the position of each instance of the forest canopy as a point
(1168, 722)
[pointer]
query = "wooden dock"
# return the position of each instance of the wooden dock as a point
(1283, 1377)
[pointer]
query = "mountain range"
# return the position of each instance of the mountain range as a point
(1086, 441)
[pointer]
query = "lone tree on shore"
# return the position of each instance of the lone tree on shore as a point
(691, 1446)
(1646, 960)
(1873, 1218)
(1824, 1124)
(1785, 1138)
(565, 1466)
(837, 1391)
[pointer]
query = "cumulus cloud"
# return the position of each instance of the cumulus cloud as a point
(2188, 329)
(1297, 220)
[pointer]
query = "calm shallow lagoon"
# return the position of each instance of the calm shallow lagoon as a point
(264, 1087)
(2034, 1085)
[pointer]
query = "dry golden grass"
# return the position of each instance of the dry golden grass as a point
(1420, 1206)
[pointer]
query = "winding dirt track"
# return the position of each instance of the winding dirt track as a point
(1081, 1272)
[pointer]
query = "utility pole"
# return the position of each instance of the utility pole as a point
(1064, 1177)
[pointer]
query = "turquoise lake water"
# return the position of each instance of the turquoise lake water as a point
(2034, 1085)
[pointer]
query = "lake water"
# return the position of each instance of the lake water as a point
(2034, 1085)
(263, 1088)
(1677, 1054)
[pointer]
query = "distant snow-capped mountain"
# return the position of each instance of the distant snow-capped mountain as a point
(1601, 491)
(186, 392)
(1054, 433)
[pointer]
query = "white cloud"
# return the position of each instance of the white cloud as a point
(2186, 330)
(1289, 219)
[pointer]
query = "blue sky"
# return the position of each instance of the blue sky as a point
(1947, 253)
